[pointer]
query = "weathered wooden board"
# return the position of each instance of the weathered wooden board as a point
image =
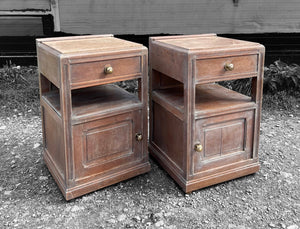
(178, 16)
(24, 5)
(21, 26)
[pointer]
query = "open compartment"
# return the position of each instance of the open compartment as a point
(210, 98)
(103, 99)
(213, 99)
(50, 94)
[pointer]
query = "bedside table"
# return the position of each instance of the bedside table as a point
(200, 132)
(94, 132)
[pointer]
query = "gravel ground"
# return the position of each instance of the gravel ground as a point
(29, 197)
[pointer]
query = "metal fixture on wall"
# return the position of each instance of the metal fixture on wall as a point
(236, 3)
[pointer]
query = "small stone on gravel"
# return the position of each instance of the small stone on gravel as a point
(294, 226)
(36, 145)
(159, 223)
(137, 218)
(77, 208)
(286, 175)
(43, 178)
(167, 214)
(121, 217)
(112, 221)
(7, 193)
(282, 225)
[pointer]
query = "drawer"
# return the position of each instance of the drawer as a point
(89, 73)
(224, 68)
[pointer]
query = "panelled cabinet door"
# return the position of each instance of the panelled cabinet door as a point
(223, 140)
(105, 144)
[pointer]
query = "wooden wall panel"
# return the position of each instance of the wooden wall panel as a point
(24, 4)
(178, 16)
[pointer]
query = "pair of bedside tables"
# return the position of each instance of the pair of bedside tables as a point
(96, 134)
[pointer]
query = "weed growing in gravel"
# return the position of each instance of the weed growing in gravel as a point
(281, 86)
(19, 90)
(280, 76)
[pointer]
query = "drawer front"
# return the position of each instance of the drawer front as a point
(224, 68)
(97, 72)
(224, 140)
(107, 144)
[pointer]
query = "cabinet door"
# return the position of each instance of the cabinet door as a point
(225, 140)
(108, 144)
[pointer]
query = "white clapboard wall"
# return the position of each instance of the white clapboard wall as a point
(143, 17)
(179, 16)
(12, 5)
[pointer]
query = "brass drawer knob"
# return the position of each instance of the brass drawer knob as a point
(108, 69)
(198, 147)
(139, 137)
(228, 66)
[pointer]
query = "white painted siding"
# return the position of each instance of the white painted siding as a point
(24, 4)
(178, 16)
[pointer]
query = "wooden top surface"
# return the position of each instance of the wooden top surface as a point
(202, 42)
(89, 44)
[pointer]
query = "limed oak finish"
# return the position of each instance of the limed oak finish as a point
(94, 132)
(201, 132)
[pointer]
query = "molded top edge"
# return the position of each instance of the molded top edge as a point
(202, 42)
(88, 44)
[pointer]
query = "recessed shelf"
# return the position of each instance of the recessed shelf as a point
(102, 99)
(211, 99)
(94, 101)
(52, 99)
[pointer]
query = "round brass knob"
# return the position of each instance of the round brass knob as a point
(228, 66)
(108, 69)
(198, 147)
(139, 137)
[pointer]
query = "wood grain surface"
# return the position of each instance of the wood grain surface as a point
(219, 128)
(95, 133)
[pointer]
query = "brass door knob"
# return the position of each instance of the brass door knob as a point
(139, 137)
(108, 69)
(228, 66)
(198, 147)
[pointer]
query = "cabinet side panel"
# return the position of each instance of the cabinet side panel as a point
(169, 62)
(168, 134)
(49, 65)
(53, 140)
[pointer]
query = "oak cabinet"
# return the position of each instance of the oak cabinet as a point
(201, 132)
(94, 132)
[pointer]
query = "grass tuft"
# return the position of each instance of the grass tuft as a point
(19, 90)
